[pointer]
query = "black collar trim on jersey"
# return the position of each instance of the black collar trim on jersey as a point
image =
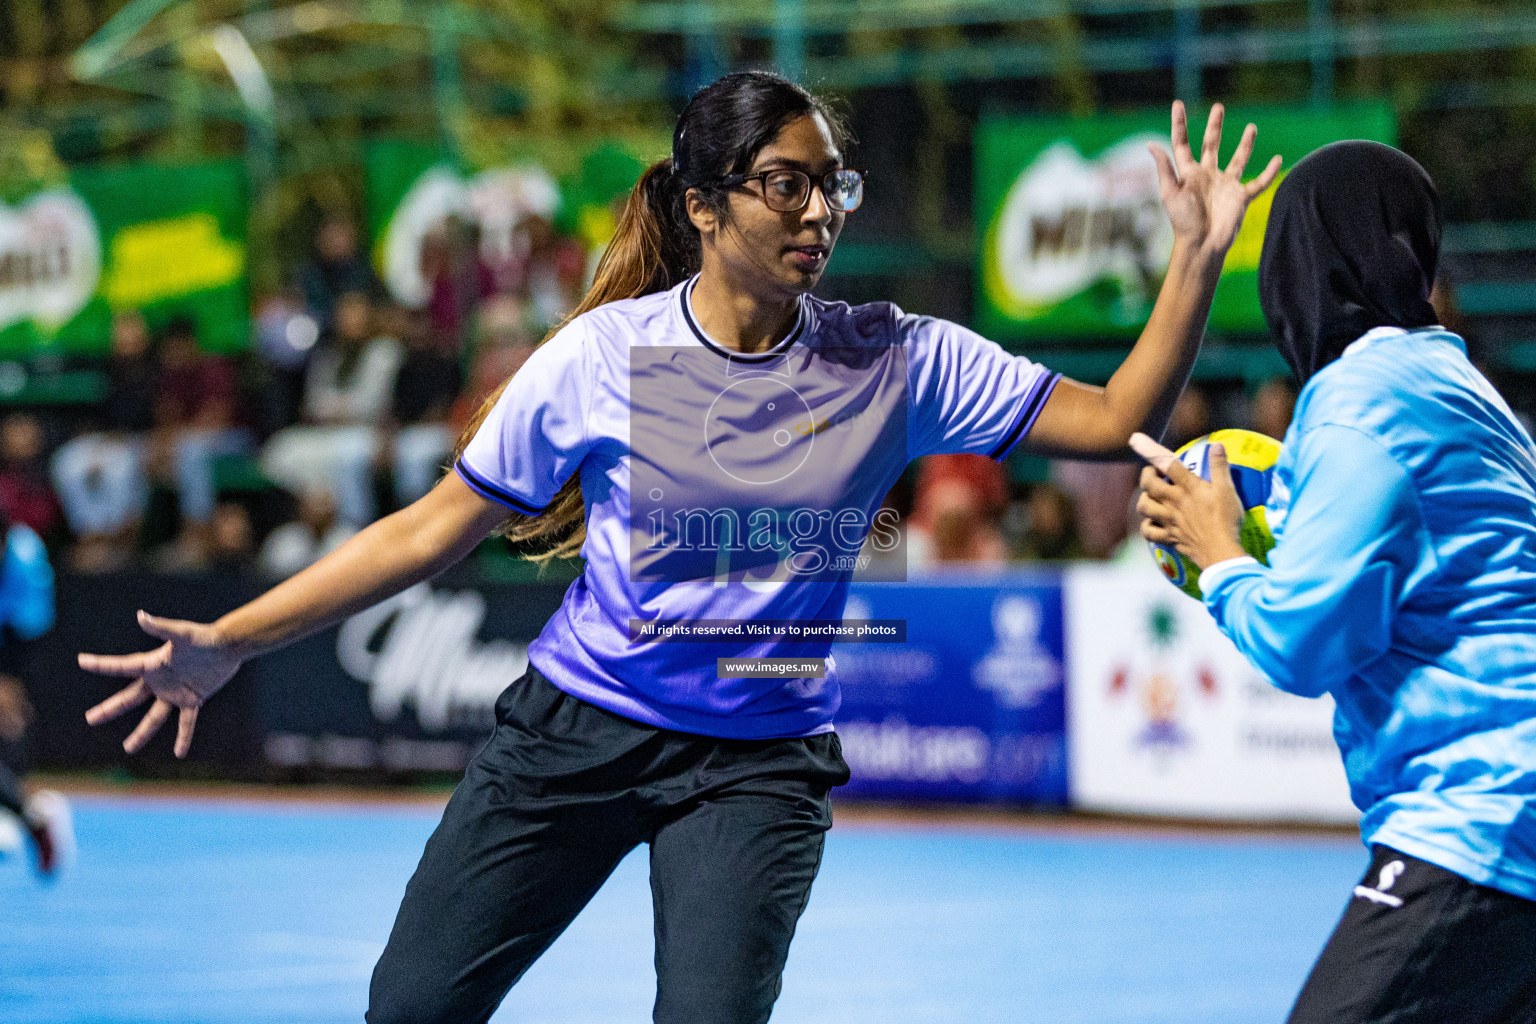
(740, 357)
(489, 490)
(1032, 406)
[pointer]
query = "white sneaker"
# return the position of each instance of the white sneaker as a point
(53, 830)
(12, 840)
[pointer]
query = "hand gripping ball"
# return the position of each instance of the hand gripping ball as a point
(1252, 458)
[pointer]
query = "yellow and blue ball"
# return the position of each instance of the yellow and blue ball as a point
(1252, 457)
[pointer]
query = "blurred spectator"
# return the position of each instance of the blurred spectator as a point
(503, 343)
(428, 382)
(196, 422)
(1273, 405)
(316, 532)
(231, 540)
(556, 271)
(1051, 530)
(26, 497)
(347, 393)
(450, 261)
(285, 336)
(1443, 298)
(1098, 491)
(1191, 419)
(193, 389)
(131, 375)
(1133, 550)
(334, 269)
(956, 509)
(100, 475)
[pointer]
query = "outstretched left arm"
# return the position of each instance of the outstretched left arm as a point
(1206, 206)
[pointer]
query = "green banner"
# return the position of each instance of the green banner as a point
(1075, 242)
(167, 240)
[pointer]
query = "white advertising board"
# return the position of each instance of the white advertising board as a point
(1165, 717)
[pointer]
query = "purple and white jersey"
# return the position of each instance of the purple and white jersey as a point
(725, 486)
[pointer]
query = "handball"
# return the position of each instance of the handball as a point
(1252, 458)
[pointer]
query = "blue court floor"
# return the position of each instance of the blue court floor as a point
(213, 912)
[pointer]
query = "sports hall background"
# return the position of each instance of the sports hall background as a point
(258, 262)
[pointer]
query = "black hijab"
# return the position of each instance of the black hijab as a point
(1352, 243)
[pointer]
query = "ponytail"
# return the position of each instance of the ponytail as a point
(653, 249)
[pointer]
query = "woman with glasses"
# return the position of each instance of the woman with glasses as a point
(716, 443)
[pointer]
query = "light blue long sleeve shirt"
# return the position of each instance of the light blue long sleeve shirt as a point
(26, 584)
(1403, 582)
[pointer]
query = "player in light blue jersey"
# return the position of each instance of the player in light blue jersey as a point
(717, 443)
(1403, 582)
(26, 613)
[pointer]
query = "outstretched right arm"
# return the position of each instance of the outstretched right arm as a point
(412, 545)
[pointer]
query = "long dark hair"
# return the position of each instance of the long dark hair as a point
(655, 246)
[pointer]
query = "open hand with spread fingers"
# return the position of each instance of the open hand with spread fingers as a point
(1200, 518)
(182, 673)
(1205, 203)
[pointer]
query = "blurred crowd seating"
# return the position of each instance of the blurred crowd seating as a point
(969, 509)
(346, 405)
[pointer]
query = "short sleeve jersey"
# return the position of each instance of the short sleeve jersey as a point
(706, 475)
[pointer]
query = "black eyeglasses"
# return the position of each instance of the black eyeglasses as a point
(787, 191)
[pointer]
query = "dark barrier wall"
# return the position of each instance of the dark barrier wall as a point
(408, 685)
(97, 613)
(970, 708)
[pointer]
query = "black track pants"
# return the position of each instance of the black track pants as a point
(13, 767)
(1421, 945)
(560, 794)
